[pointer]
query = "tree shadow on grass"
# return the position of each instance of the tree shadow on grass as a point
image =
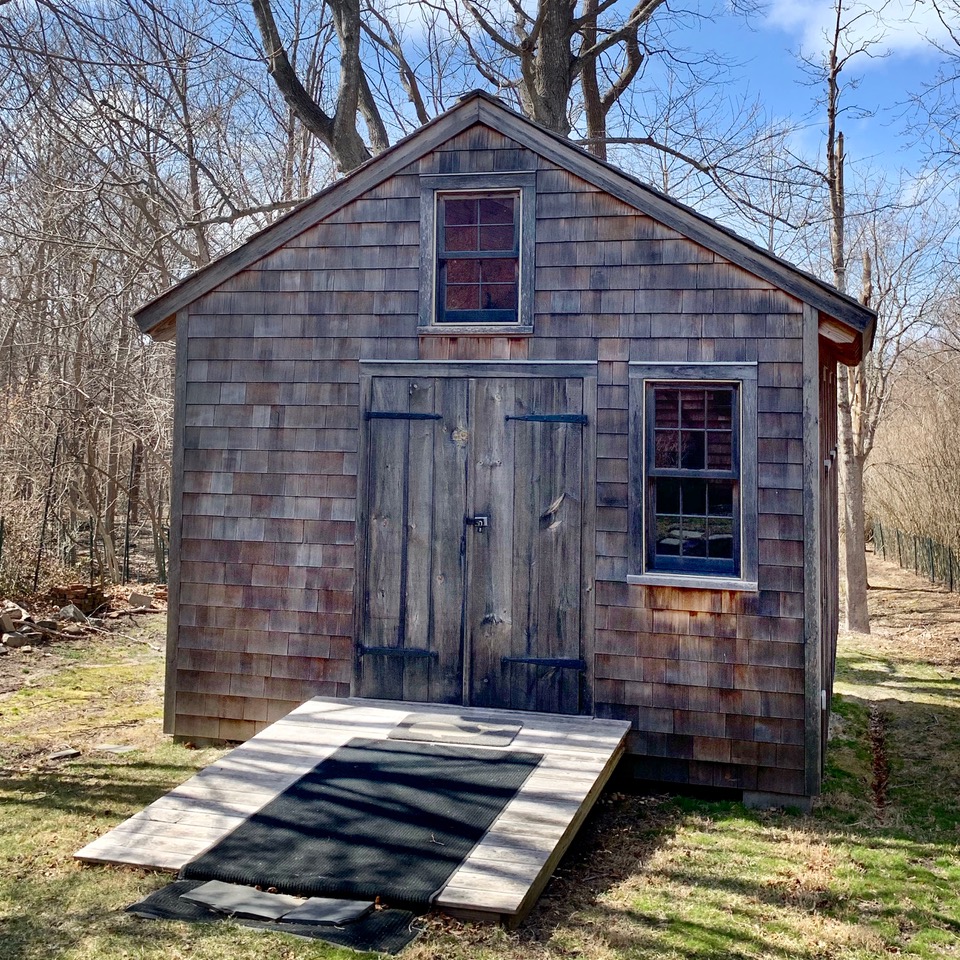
(84, 788)
(666, 877)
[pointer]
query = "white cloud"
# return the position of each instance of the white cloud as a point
(895, 27)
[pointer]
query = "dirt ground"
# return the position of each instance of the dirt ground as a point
(907, 610)
(104, 685)
(115, 621)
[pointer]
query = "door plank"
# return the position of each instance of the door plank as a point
(559, 524)
(449, 501)
(418, 537)
(490, 587)
(387, 458)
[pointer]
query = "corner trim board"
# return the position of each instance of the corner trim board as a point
(176, 521)
(812, 573)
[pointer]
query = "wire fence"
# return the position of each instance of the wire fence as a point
(925, 556)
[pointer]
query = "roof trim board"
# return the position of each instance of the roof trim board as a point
(152, 315)
(481, 107)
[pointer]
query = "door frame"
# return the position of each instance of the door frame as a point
(585, 370)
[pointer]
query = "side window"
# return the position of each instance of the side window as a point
(693, 474)
(478, 257)
(477, 252)
(693, 478)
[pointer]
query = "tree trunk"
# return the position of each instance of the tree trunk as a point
(592, 101)
(851, 475)
(546, 67)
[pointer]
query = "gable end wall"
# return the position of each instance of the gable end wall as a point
(713, 681)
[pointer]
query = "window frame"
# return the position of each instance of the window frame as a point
(481, 314)
(433, 189)
(644, 378)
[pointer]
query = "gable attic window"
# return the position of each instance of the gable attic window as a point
(477, 248)
(693, 475)
(478, 257)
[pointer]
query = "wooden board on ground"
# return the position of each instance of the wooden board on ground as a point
(505, 872)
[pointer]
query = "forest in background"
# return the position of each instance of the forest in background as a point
(144, 138)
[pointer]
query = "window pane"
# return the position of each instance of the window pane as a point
(720, 498)
(720, 539)
(498, 296)
(458, 211)
(497, 209)
(667, 452)
(694, 494)
(462, 297)
(463, 271)
(694, 537)
(719, 450)
(720, 409)
(668, 536)
(666, 412)
(498, 271)
(692, 413)
(497, 238)
(692, 449)
(461, 238)
(668, 495)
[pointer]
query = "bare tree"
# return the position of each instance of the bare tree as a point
(137, 150)
(852, 388)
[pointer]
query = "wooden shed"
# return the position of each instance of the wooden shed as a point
(490, 422)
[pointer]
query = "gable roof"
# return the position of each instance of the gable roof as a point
(845, 321)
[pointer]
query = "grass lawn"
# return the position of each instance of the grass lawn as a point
(873, 872)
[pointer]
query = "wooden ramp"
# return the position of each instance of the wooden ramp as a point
(502, 877)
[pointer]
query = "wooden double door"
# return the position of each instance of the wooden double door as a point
(471, 542)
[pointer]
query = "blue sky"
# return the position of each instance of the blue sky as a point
(767, 47)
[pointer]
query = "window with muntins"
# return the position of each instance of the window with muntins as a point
(693, 475)
(478, 257)
(477, 253)
(693, 478)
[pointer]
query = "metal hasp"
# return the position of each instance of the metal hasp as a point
(563, 663)
(481, 523)
(548, 417)
(406, 652)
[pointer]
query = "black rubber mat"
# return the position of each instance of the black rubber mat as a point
(376, 818)
(383, 931)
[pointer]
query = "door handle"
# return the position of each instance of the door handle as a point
(481, 523)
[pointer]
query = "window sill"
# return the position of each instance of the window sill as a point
(694, 582)
(477, 329)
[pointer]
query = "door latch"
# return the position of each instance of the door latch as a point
(481, 523)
